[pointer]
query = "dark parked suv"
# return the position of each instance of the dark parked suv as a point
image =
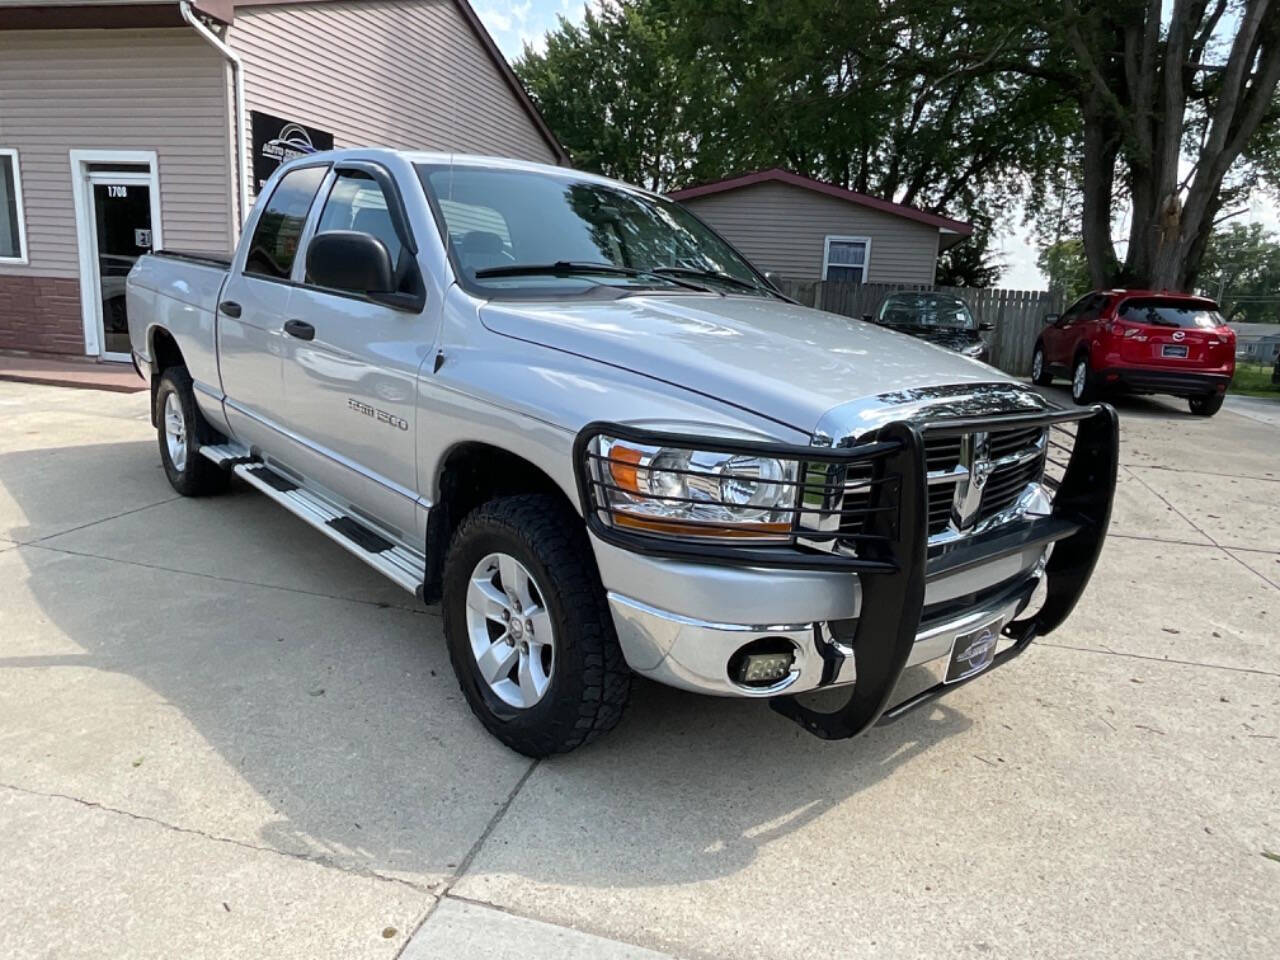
(1139, 341)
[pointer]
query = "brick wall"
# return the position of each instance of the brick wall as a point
(42, 314)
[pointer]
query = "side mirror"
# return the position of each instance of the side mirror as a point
(351, 261)
(986, 326)
(1051, 318)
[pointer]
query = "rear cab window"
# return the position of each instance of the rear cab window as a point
(1171, 312)
(274, 246)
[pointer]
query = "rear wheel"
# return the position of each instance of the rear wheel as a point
(1082, 385)
(1040, 374)
(182, 431)
(528, 627)
(1207, 405)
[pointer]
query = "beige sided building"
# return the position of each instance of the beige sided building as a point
(132, 125)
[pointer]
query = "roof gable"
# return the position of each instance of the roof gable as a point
(778, 175)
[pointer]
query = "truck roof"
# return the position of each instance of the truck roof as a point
(462, 160)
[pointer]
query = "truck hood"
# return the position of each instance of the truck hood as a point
(781, 361)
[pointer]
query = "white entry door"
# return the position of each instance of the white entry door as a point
(117, 219)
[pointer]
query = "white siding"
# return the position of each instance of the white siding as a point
(782, 229)
(394, 73)
(161, 90)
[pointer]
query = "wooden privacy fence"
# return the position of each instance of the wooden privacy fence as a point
(1016, 315)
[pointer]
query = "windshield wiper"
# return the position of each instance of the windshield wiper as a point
(710, 275)
(570, 268)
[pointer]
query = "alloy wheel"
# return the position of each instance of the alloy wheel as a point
(510, 630)
(1079, 379)
(175, 432)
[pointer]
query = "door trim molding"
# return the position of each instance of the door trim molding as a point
(90, 301)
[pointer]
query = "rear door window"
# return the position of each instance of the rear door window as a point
(274, 246)
(1162, 312)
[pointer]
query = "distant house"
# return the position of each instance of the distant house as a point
(1257, 342)
(804, 229)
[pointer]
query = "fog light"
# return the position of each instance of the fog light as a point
(763, 662)
(765, 667)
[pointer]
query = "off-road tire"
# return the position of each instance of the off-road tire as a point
(1207, 405)
(1045, 378)
(591, 682)
(199, 476)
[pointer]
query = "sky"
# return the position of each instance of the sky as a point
(515, 22)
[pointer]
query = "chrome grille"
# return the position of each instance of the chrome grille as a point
(1018, 456)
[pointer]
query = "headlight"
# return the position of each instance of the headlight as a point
(974, 350)
(702, 493)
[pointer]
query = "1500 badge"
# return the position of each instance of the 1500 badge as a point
(380, 415)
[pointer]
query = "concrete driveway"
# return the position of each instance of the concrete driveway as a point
(221, 736)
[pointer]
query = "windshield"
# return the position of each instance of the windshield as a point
(1172, 313)
(500, 222)
(924, 310)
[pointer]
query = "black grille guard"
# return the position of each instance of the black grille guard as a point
(892, 549)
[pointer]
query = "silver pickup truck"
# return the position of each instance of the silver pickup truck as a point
(569, 412)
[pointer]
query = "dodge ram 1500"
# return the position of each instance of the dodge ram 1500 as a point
(571, 413)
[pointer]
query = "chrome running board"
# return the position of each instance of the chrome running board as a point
(399, 564)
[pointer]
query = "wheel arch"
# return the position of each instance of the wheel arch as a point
(472, 473)
(165, 353)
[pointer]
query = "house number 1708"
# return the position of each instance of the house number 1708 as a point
(114, 190)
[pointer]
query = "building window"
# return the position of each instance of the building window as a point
(13, 233)
(847, 259)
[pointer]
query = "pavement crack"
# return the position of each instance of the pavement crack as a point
(1145, 656)
(215, 838)
(1198, 529)
(465, 863)
(1206, 473)
(419, 611)
(94, 523)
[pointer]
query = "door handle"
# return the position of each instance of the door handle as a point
(300, 329)
(230, 308)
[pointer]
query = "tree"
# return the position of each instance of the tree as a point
(1153, 92)
(970, 263)
(1242, 272)
(616, 96)
(894, 101)
(1065, 266)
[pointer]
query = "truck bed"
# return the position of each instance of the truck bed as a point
(220, 260)
(179, 291)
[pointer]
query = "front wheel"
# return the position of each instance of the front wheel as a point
(1082, 386)
(1040, 374)
(529, 631)
(1206, 406)
(181, 431)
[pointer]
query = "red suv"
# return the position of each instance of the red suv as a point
(1140, 341)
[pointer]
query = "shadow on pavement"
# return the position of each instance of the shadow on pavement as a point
(344, 720)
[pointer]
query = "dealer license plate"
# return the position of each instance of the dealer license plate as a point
(973, 652)
(1174, 350)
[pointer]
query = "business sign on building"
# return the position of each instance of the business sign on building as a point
(276, 140)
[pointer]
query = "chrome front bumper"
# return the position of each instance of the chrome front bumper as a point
(681, 649)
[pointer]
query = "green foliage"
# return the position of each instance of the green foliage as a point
(1242, 272)
(1066, 268)
(1077, 109)
(894, 100)
(616, 95)
(970, 263)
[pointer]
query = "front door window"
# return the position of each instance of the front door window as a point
(122, 233)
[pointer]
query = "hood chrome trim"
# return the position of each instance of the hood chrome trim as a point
(847, 423)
